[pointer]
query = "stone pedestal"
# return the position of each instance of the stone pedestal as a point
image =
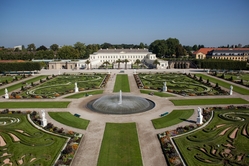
(165, 88)
(76, 89)
(199, 120)
(6, 96)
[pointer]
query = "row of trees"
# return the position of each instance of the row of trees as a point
(79, 50)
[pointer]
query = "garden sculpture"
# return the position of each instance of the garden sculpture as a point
(76, 89)
(6, 93)
(165, 86)
(43, 120)
(231, 90)
(199, 117)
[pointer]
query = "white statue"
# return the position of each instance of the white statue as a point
(199, 112)
(199, 117)
(76, 89)
(43, 120)
(43, 114)
(6, 94)
(165, 86)
(231, 90)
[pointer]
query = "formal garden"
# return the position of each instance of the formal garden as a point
(55, 86)
(21, 143)
(224, 141)
(236, 77)
(178, 83)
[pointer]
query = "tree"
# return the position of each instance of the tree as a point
(54, 47)
(141, 45)
(126, 61)
(87, 64)
(31, 47)
(106, 63)
(180, 51)
(68, 52)
(137, 62)
(156, 62)
(106, 45)
(172, 44)
(195, 48)
(41, 48)
(81, 47)
(159, 47)
(119, 61)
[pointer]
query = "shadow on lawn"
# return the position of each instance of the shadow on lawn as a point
(190, 121)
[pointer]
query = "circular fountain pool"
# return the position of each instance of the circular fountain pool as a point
(115, 104)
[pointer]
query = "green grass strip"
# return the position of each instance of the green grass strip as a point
(120, 145)
(183, 102)
(40, 104)
(84, 94)
(160, 94)
(122, 83)
(19, 85)
(221, 83)
(175, 117)
(70, 120)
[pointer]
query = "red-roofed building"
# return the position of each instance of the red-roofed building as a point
(202, 53)
(236, 54)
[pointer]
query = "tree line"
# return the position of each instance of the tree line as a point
(162, 48)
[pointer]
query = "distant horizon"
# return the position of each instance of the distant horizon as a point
(121, 44)
(210, 23)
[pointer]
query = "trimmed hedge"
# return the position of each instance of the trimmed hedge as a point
(20, 66)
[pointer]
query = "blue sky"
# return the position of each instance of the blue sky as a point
(65, 22)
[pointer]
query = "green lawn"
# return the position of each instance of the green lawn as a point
(121, 83)
(175, 117)
(216, 144)
(221, 83)
(70, 120)
(84, 94)
(156, 93)
(19, 85)
(120, 145)
(213, 101)
(40, 104)
(34, 147)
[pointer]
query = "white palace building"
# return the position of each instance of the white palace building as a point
(112, 56)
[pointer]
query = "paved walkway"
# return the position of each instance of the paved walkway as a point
(151, 152)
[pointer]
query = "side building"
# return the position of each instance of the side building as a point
(236, 54)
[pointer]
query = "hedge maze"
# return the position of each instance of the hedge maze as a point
(179, 83)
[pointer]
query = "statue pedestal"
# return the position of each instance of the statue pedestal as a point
(165, 89)
(6, 96)
(44, 122)
(76, 89)
(231, 92)
(199, 120)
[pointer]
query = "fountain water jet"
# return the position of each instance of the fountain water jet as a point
(120, 97)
